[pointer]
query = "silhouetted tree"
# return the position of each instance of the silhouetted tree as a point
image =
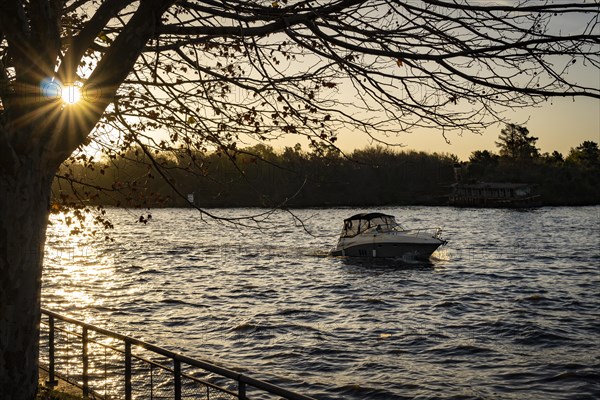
(587, 154)
(515, 143)
(480, 161)
(557, 157)
(484, 157)
(553, 158)
(193, 76)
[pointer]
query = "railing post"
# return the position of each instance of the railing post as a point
(177, 378)
(127, 370)
(84, 377)
(241, 389)
(52, 382)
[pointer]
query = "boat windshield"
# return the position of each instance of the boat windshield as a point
(361, 223)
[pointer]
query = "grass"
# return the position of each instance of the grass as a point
(48, 394)
(63, 391)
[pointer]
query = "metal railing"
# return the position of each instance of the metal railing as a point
(107, 365)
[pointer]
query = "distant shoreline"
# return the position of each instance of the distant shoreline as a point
(292, 179)
(365, 206)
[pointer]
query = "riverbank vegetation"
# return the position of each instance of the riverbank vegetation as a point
(263, 177)
(49, 394)
(573, 179)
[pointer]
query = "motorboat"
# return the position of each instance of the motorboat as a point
(379, 235)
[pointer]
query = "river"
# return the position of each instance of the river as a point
(509, 308)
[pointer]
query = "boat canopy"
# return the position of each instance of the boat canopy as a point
(359, 223)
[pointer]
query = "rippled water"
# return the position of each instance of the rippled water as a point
(510, 308)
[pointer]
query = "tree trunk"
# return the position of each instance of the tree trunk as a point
(24, 208)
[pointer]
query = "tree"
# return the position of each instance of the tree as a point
(483, 157)
(586, 154)
(480, 161)
(192, 75)
(555, 158)
(515, 143)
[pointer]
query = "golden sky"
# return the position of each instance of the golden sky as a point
(559, 124)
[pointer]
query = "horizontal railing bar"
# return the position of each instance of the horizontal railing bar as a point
(259, 384)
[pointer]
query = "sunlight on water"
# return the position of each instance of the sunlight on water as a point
(75, 261)
(75, 297)
(505, 305)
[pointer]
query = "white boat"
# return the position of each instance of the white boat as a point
(379, 235)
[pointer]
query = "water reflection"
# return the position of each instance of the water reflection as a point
(76, 267)
(383, 264)
(507, 294)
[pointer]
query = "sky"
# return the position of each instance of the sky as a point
(560, 125)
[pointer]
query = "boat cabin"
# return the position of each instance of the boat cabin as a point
(360, 223)
(492, 194)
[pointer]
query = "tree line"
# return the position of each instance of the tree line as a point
(260, 176)
(573, 179)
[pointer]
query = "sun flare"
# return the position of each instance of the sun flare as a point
(71, 94)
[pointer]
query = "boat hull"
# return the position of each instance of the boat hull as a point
(388, 250)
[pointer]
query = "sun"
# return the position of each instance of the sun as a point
(71, 94)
